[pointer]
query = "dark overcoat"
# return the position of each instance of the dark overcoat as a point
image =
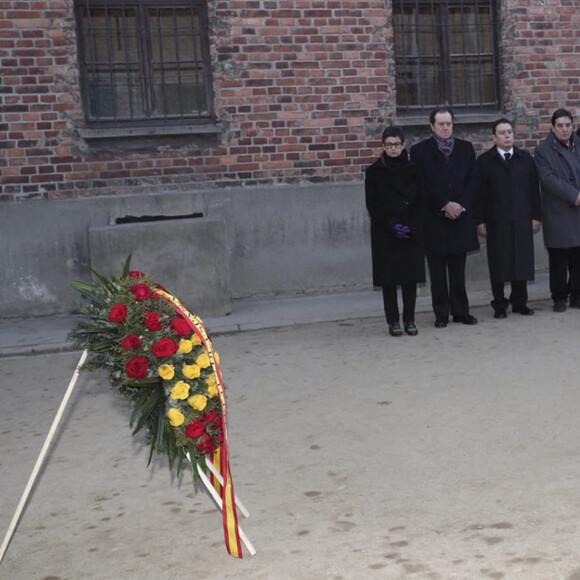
(559, 171)
(448, 179)
(508, 199)
(394, 195)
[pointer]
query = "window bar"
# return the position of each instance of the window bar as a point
(464, 19)
(195, 34)
(206, 62)
(410, 22)
(161, 65)
(178, 60)
(129, 64)
(416, 28)
(90, 62)
(495, 51)
(145, 64)
(110, 58)
(437, 59)
(445, 67)
(479, 46)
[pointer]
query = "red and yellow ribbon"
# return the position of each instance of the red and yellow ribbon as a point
(220, 457)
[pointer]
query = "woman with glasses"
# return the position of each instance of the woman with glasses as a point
(395, 202)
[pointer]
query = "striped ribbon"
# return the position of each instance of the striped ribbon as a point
(220, 457)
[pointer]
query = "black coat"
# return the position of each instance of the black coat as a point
(394, 195)
(508, 199)
(452, 179)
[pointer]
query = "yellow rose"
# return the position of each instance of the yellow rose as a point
(176, 417)
(166, 372)
(198, 402)
(202, 360)
(185, 346)
(191, 371)
(180, 390)
(212, 389)
(195, 340)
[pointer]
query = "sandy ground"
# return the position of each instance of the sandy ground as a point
(451, 455)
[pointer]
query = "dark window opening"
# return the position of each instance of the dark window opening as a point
(144, 62)
(131, 219)
(446, 53)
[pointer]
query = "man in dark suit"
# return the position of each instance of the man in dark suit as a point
(449, 169)
(507, 213)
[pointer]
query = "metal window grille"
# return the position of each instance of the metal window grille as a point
(144, 62)
(446, 53)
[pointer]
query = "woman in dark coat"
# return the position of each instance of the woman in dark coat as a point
(395, 201)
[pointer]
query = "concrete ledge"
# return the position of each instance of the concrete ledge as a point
(190, 252)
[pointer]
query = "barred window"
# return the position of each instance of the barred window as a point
(144, 62)
(446, 53)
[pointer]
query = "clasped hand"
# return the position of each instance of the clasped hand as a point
(453, 210)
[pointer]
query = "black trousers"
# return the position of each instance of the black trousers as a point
(448, 293)
(518, 296)
(409, 292)
(562, 260)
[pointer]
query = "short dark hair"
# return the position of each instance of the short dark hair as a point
(501, 121)
(561, 113)
(437, 110)
(393, 132)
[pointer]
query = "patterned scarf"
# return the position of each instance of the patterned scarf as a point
(444, 145)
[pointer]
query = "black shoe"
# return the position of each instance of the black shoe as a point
(523, 310)
(559, 306)
(466, 319)
(440, 323)
(575, 303)
(395, 329)
(500, 314)
(410, 328)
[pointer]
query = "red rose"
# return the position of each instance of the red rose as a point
(180, 326)
(218, 423)
(141, 291)
(132, 342)
(207, 445)
(118, 313)
(209, 417)
(136, 275)
(152, 321)
(137, 367)
(164, 347)
(195, 429)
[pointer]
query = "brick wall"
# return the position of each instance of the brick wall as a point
(302, 90)
(541, 63)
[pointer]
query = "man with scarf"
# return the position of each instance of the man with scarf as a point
(558, 161)
(449, 170)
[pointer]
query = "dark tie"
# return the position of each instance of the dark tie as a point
(507, 157)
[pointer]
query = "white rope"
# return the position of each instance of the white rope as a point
(40, 460)
(215, 496)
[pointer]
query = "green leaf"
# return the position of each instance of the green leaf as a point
(144, 406)
(171, 447)
(139, 383)
(107, 282)
(91, 291)
(126, 266)
(162, 424)
(180, 458)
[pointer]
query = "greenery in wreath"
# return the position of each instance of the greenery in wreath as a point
(156, 360)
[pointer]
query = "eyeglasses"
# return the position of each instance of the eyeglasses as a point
(392, 145)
